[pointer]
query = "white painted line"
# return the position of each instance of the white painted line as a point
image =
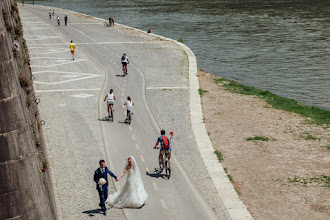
(183, 87)
(130, 128)
(142, 159)
(122, 94)
(133, 137)
(137, 147)
(91, 43)
(83, 33)
(67, 90)
(59, 64)
(155, 186)
(124, 84)
(163, 204)
(123, 89)
(57, 51)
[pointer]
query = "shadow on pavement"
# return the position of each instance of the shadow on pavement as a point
(94, 211)
(155, 174)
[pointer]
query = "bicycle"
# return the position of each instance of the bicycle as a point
(165, 164)
(110, 116)
(124, 70)
(107, 24)
(129, 119)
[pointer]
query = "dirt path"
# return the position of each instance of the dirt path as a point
(286, 177)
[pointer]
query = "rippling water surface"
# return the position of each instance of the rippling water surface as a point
(280, 46)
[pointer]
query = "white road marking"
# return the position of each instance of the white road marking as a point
(62, 105)
(142, 159)
(90, 43)
(82, 96)
(183, 87)
(81, 76)
(37, 37)
(137, 147)
(124, 84)
(59, 64)
(133, 137)
(130, 128)
(66, 90)
(155, 186)
(123, 89)
(53, 58)
(53, 51)
(122, 94)
(163, 204)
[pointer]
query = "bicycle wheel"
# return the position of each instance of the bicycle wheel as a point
(111, 112)
(166, 171)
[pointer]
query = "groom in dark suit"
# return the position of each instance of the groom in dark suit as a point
(102, 172)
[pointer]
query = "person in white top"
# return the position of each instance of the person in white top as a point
(110, 97)
(129, 105)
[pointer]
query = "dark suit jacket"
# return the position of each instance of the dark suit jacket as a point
(98, 174)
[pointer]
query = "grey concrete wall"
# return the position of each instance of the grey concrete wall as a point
(25, 185)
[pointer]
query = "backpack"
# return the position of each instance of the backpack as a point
(166, 143)
(123, 58)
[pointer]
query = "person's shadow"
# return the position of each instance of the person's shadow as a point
(92, 212)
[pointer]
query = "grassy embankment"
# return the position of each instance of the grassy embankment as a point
(314, 114)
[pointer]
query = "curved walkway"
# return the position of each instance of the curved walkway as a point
(159, 84)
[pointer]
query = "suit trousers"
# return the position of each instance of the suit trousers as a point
(103, 194)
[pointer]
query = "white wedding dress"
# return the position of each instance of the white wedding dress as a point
(132, 194)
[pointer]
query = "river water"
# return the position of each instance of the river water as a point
(282, 46)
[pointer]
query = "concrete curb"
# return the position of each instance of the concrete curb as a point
(235, 207)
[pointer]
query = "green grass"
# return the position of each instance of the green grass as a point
(201, 91)
(308, 136)
(326, 146)
(219, 155)
(257, 138)
(230, 177)
(180, 40)
(322, 181)
(317, 115)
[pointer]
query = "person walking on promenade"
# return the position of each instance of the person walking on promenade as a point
(101, 180)
(58, 20)
(149, 31)
(112, 21)
(66, 20)
(50, 14)
(53, 14)
(72, 48)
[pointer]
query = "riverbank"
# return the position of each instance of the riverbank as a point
(278, 161)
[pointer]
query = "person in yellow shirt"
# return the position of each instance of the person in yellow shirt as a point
(72, 47)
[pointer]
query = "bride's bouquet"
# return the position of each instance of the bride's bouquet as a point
(102, 181)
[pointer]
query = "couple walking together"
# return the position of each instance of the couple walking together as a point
(131, 195)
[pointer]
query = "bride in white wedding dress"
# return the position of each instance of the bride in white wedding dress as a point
(132, 194)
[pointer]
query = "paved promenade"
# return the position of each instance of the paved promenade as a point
(72, 93)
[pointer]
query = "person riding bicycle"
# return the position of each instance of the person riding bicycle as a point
(110, 97)
(129, 105)
(165, 143)
(124, 61)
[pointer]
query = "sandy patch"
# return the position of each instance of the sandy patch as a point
(273, 178)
